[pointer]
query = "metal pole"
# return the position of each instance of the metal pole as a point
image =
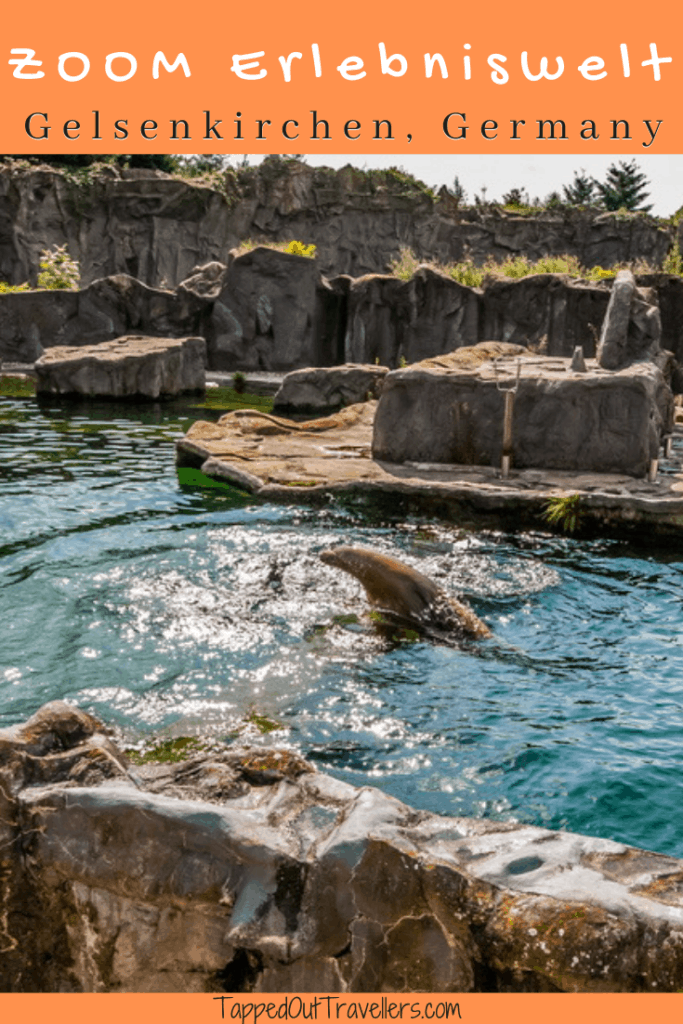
(509, 392)
(507, 434)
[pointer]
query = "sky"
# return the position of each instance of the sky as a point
(537, 175)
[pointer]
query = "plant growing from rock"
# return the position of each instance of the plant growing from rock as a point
(673, 264)
(5, 287)
(301, 249)
(58, 269)
(564, 511)
(405, 266)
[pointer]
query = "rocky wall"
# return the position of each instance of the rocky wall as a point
(156, 228)
(268, 310)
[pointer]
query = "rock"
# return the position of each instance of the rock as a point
(598, 421)
(669, 291)
(390, 319)
(243, 869)
(33, 321)
(550, 313)
(207, 282)
(324, 389)
(265, 316)
(128, 367)
(632, 328)
(578, 363)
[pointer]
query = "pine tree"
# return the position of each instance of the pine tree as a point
(458, 191)
(625, 187)
(581, 190)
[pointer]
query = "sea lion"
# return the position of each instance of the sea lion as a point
(397, 589)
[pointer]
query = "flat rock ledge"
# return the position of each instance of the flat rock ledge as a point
(131, 366)
(278, 460)
(244, 869)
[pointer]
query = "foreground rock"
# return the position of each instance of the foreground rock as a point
(591, 421)
(128, 367)
(322, 389)
(246, 870)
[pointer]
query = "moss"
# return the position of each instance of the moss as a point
(167, 752)
(344, 620)
(17, 387)
(227, 399)
(262, 722)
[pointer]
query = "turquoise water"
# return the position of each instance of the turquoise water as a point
(168, 610)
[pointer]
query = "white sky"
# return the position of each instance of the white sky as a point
(537, 175)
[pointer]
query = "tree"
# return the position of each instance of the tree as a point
(625, 187)
(515, 197)
(581, 191)
(458, 191)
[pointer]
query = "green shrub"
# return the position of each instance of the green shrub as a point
(405, 266)
(293, 248)
(599, 273)
(673, 264)
(466, 273)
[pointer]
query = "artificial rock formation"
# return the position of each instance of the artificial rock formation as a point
(128, 367)
(632, 326)
(265, 316)
(321, 389)
(156, 228)
(440, 411)
(246, 870)
(34, 321)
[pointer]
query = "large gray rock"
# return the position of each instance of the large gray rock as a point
(390, 319)
(441, 411)
(320, 389)
(550, 313)
(632, 328)
(669, 291)
(128, 367)
(33, 321)
(265, 317)
(150, 226)
(245, 870)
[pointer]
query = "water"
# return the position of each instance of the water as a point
(168, 610)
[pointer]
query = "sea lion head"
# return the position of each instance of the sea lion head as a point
(342, 557)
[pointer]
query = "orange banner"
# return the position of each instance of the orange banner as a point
(356, 78)
(536, 1008)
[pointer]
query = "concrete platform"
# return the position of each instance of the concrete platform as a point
(278, 460)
